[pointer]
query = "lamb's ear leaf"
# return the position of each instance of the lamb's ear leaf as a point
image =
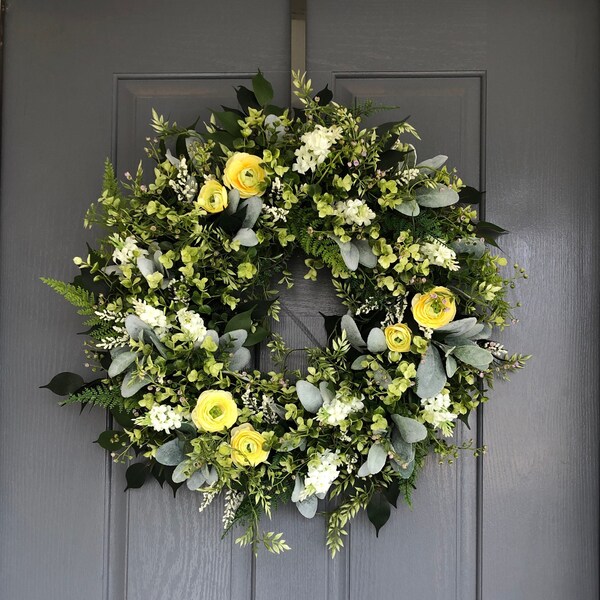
(376, 458)
(246, 237)
(64, 384)
(352, 333)
(376, 340)
(240, 359)
(378, 511)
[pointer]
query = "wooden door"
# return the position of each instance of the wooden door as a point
(509, 90)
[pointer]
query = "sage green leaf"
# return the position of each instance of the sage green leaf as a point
(246, 237)
(436, 197)
(352, 332)
(366, 256)
(253, 207)
(134, 326)
(382, 378)
(298, 489)
(410, 208)
(196, 481)
(170, 454)
(376, 458)
(434, 164)
(357, 365)
(131, 385)
(146, 266)
(326, 392)
(262, 89)
(410, 429)
(309, 396)
(151, 335)
(470, 246)
(451, 366)
(364, 470)
(308, 507)
(404, 470)
(180, 473)
(233, 197)
(234, 340)
(121, 362)
(64, 384)
(431, 376)
(404, 450)
(349, 252)
(240, 359)
(376, 340)
(457, 327)
(474, 355)
(211, 475)
(378, 511)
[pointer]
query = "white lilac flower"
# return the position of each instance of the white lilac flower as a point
(192, 325)
(354, 212)
(436, 412)
(126, 251)
(315, 148)
(337, 409)
(322, 472)
(161, 417)
(408, 175)
(150, 315)
(440, 255)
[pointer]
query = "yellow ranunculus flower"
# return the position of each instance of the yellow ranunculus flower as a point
(244, 173)
(434, 309)
(215, 411)
(247, 446)
(213, 197)
(398, 337)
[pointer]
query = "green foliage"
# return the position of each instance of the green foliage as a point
(102, 394)
(77, 296)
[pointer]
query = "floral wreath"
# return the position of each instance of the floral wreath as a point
(182, 288)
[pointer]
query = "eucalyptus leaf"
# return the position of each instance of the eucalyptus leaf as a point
(470, 246)
(366, 256)
(246, 237)
(410, 429)
(151, 335)
(405, 471)
(212, 476)
(196, 480)
(410, 208)
(436, 197)
(457, 327)
(240, 359)
(253, 207)
(298, 489)
(352, 332)
(364, 470)
(451, 366)
(404, 450)
(308, 507)
(431, 376)
(170, 454)
(376, 340)
(350, 253)
(132, 384)
(234, 339)
(233, 197)
(146, 266)
(474, 355)
(134, 326)
(357, 365)
(121, 362)
(180, 474)
(326, 393)
(435, 163)
(309, 396)
(376, 458)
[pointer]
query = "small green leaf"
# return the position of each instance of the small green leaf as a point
(64, 384)
(263, 90)
(378, 511)
(136, 475)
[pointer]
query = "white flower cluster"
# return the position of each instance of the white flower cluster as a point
(161, 417)
(233, 500)
(322, 472)
(315, 148)
(440, 255)
(126, 251)
(184, 184)
(435, 412)
(276, 213)
(335, 410)
(192, 325)
(150, 315)
(354, 212)
(408, 175)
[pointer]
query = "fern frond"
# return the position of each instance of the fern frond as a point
(110, 184)
(104, 395)
(77, 296)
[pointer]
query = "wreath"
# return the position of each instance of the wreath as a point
(185, 283)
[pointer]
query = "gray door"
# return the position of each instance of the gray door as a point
(510, 90)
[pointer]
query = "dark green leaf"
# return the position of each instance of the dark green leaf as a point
(180, 146)
(325, 96)
(331, 323)
(390, 158)
(136, 475)
(489, 231)
(246, 98)
(470, 195)
(256, 337)
(263, 90)
(242, 320)
(229, 121)
(111, 440)
(64, 384)
(378, 511)
(124, 419)
(235, 111)
(391, 492)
